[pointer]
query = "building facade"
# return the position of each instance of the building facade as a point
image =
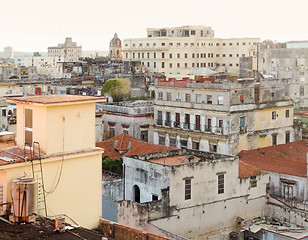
(67, 52)
(133, 118)
(221, 115)
(182, 50)
(193, 194)
(288, 60)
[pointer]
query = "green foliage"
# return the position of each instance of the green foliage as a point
(118, 88)
(14, 77)
(113, 165)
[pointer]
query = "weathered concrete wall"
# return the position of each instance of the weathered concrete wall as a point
(114, 189)
(110, 209)
(287, 214)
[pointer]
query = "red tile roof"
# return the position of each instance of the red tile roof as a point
(246, 170)
(115, 151)
(290, 159)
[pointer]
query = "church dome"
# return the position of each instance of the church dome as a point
(115, 41)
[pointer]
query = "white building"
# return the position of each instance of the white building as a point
(67, 52)
(196, 195)
(182, 50)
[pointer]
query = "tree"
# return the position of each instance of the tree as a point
(118, 88)
(14, 77)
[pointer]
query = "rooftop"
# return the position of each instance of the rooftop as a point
(124, 144)
(55, 99)
(290, 159)
(43, 231)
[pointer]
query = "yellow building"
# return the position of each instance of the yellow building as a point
(62, 129)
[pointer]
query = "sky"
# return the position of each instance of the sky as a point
(34, 25)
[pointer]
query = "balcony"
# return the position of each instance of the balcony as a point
(168, 123)
(159, 122)
(177, 124)
(219, 130)
(243, 129)
(197, 127)
(186, 126)
(207, 128)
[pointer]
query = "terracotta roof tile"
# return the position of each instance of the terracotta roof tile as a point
(290, 159)
(119, 145)
(246, 170)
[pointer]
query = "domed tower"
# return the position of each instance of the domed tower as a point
(115, 48)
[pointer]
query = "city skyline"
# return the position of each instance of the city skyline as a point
(35, 25)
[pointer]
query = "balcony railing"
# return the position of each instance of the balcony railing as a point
(177, 124)
(219, 130)
(186, 125)
(168, 123)
(197, 127)
(159, 122)
(207, 128)
(243, 129)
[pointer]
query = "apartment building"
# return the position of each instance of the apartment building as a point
(183, 50)
(223, 116)
(67, 52)
(289, 60)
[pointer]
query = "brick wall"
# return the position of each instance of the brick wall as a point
(121, 232)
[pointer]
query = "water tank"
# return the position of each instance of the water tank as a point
(23, 197)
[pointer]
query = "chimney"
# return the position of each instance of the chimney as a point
(115, 143)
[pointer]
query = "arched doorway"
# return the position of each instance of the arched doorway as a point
(136, 193)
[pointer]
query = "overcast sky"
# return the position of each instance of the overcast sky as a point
(33, 25)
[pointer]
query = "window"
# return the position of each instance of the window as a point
(28, 126)
(220, 100)
(301, 90)
(163, 55)
(154, 55)
(159, 118)
(154, 64)
(221, 183)
(178, 65)
(253, 181)
(223, 55)
(213, 148)
(230, 44)
(274, 139)
(168, 96)
(209, 99)
(163, 44)
(217, 55)
(287, 137)
(242, 125)
(195, 145)
(178, 55)
(241, 99)
(192, 32)
(163, 65)
(160, 95)
(154, 197)
(142, 55)
(198, 98)
(230, 55)
(185, 65)
(172, 142)
(185, 55)
(111, 132)
(148, 55)
(170, 55)
(274, 115)
(193, 55)
(144, 136)
(287, 113)
(161, 140)
(168, 119)
(3, 112)
(183, 144)
(170, 65)
(187, 189)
